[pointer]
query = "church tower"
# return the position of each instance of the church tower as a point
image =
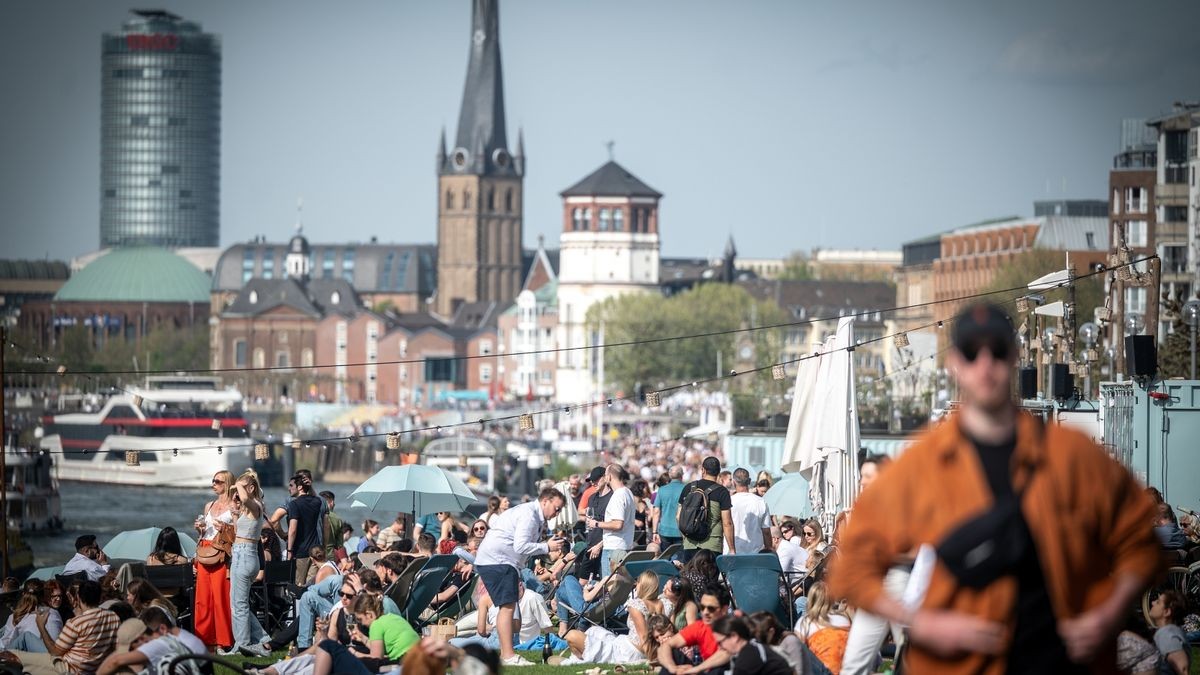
(480, 184)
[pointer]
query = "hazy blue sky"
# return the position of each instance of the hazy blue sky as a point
(789, 124)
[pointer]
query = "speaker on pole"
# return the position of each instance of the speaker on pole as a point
(1063, 383)
(1027, 377)
(1141, 356)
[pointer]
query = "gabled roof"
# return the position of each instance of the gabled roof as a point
(611, 180)
(816, 299)
(316, 298)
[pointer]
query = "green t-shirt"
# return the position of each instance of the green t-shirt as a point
(397, 635)
(718, 500)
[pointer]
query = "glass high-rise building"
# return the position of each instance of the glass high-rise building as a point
(160, 140)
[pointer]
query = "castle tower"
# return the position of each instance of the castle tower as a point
(480, 196)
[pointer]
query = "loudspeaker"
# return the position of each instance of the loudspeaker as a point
(1063, 381)
(1027, 379)
(1141, 356)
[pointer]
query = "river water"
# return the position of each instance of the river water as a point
(104, 510)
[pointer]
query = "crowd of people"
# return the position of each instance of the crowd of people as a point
(995, 544)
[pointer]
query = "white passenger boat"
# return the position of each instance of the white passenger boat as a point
(184, 429)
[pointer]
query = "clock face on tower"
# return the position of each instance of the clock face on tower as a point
(479, 37)
(746, 352)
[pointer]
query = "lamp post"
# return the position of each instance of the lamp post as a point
(1191, 316)
(1049, 357)
(1088, 332)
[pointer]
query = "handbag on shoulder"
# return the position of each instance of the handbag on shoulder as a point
(219, 550)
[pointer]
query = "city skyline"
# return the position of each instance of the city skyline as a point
(842, 127)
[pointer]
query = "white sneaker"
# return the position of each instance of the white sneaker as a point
(256, 650)
(232, 651)
(516, 660)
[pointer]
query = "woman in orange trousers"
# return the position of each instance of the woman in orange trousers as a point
(212, 615)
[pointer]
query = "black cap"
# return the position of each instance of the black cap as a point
(595, 474)
(983, 323)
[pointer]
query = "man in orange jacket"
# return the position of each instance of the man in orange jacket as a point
(1057, 544)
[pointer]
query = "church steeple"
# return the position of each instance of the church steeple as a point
(481, 143)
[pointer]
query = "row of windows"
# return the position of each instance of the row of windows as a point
(147, 73)
(609, 219)
(489, 200)
(1137, 200)
(282, 357)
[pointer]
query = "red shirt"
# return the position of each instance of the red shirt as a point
(699, 634)
(583, 499)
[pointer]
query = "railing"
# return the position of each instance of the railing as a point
(1116, 401)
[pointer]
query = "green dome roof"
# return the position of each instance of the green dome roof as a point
(140, 274)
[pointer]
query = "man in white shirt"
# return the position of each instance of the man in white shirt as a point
(751, 518)
(88, 558)
(512, 538)
(617, 526)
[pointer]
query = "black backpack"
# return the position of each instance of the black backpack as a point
(694, 517)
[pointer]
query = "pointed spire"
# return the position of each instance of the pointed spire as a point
(441, 155)
(519, 159)
(730, 248)
(481, 119)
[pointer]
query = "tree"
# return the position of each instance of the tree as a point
(1030, 265)
(1175, 355)
(796, 267)
(708, 308)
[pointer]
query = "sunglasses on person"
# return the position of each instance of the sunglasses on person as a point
(480, 528)
(999, 349)
(347, 596)
(218, 481)
(809, 533)
(710, 608)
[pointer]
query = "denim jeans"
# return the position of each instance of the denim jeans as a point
(312, 605)
(570, 594)
(491, 641)
(247, 631)
(532, 582)
(28, 642)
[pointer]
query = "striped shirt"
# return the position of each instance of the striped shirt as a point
(87, 638)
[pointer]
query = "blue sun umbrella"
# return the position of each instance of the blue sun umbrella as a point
(137, 544)
(789, 497)
(418, 489)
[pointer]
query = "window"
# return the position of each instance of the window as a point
(618, 220)
(327, 264)
(1135, 233)
(604, 217)
(1174, 258)
(306, 357)
(281, 359)
(1135, 200)
(440, 370)
(239, 353)
(508, 201)
(587, 219)
(577, 219)
(348, 266)
(247, 265)
(756, 455)
(1091, 239)
(449, 200)
(268, 266)
(491, 200)
(1135, 300)
(260, 358)
(485, 373)
(485, 347)
(1116, 201)
(1174, 214)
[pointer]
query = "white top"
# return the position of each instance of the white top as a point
(620, 507)
(793, 557)
(810, 628)
(750, 515)
(514, 536)
(156, 649)
(82, 563)
(534, 618)
(28, 624)
(634, 602)
(210, 524)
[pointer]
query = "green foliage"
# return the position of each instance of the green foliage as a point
(1175, 353)
(796, 268)
(708, 308)
(1089, 292)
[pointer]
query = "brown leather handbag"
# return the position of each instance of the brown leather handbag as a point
(219, 550)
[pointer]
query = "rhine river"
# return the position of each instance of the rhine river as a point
(104, 510)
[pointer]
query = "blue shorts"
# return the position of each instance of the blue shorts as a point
(502, 583)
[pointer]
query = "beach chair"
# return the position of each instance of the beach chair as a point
(669, 552)
(276, 605)
(399, 589)
(665, 569)
(425, 585)
(638, 556)
(754, 581)
(605, 613)
(460, 604)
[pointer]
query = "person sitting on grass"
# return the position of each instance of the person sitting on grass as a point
(1166, 612)
(600, 645)
(750, 657)
(148, 643)
(714, 604)
(388, 637)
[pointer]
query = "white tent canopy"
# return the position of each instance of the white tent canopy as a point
(823, 437)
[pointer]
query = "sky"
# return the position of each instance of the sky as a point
(788, 125)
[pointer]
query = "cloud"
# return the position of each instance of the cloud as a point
(1050, 55)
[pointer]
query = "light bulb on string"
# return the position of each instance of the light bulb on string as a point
(220, 450)
(174, 452)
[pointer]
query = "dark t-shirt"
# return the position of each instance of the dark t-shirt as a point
(750, 661)
(1036, 645)
(586, 565)
(718, 500)
(306, 511)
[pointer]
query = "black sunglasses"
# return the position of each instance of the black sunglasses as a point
(710, 608)
(1000, 349)
(348, 596)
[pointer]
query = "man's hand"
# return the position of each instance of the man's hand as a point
(594, 552)
(948, 633)
(1084, 634)
(43, 615)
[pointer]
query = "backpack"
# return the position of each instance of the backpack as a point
(694, 516)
